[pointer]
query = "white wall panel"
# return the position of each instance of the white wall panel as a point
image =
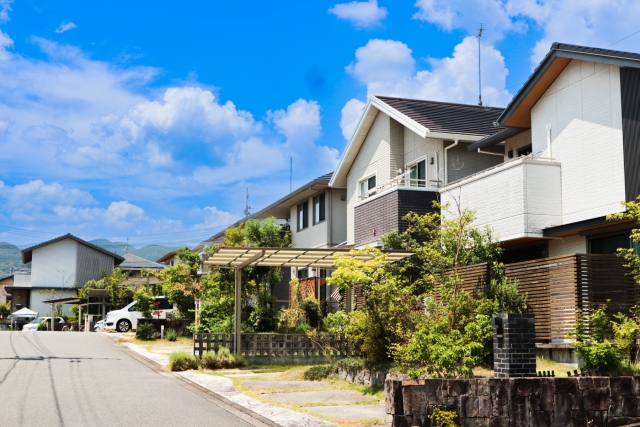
(568, 245)
(55, 264)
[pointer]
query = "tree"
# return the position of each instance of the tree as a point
(630, 255)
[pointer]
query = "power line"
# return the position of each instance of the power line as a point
(624, 38)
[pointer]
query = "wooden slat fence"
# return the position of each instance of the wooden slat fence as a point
(558, 286)
(276, 348)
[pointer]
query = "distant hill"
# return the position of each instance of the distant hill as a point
(10, 257)
(151, 252)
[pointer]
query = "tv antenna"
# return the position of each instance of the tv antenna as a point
(247, 207)
(479, 70)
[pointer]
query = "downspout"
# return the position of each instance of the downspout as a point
(446, 162)
(549, 140)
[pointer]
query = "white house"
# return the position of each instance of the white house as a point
(57, 267)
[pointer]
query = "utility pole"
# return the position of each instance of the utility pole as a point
(479, 69)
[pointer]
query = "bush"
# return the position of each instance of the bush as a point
(209, 360)
(317, 373)
(351, 364)
(335, 323)
(144, 302)
(146, 332)
(42, 326)
(302, 328)
(312, 312)
(182, 361)
(239, 361)
(171, 334)
(225, 358)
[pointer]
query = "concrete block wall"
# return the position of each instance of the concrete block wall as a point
(516, 402)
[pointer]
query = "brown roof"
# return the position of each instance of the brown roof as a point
(445, 117)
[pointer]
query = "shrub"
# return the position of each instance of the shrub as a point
(182, 361)
(290, 319)
(335, 323)
(144, 302)
(209, 360)
(442, 418)
(317, 373)
(171, 334)
(302, 328)
(225, 358)
(146, 332)
(239, 361)
(351, 363)
(312, 312)
(42, 326)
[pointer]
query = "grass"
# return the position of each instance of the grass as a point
(560, 369)
(180, 341)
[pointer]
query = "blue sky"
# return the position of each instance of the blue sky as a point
(149, 120)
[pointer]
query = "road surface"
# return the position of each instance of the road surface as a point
(83, 379)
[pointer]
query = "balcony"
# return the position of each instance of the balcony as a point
(516, 199)
(406, 179)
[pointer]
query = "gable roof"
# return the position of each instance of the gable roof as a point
(27, 253)
(166, 256)
(428, 119)
(280, 208)
(134, 262)
(518, 112)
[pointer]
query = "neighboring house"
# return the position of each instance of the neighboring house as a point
(170, 259)
(578, 118)
(59, 264)
(401, 153)
(132, 266)
(4, 295)
(315, 216)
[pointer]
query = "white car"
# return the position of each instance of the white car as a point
(33, 325)
(126, 318)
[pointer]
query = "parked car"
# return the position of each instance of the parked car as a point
(126, 318)
(33, 325)
(99, 325)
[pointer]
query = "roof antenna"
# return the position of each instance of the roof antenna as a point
(247, 207)
(479, 71)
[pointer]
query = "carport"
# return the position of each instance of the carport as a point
(96, 298)
(239, 257)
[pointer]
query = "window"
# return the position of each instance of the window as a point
(367, 184)
(303, 273)
(303, 215)
(525, 151)
(418, 174)
(319, 208)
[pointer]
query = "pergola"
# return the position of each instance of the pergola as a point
(239, 257)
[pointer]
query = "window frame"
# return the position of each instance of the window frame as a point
(415, 163)
(323, 213)
(302, 207)
(366, 179)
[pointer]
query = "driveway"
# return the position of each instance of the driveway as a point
(82, 379)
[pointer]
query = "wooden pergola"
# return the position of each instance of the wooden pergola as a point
(239, 257)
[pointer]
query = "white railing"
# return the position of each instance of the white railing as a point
(402, 180)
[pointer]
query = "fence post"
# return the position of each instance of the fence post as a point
(514, 345)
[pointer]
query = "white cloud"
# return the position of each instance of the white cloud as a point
(37, 195)
(5, 7)
(300, 122)
(361, 14)
(184, 112)
(387, 67)
(351, 113)
(119, 215)
(65, 26)
(213, 217)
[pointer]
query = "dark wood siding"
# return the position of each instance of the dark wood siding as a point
(630, 94)
(383, 214)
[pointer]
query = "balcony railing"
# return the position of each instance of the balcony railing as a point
(402, 180)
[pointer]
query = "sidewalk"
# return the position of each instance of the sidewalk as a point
(273, 391)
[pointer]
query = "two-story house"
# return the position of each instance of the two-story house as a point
(401, 153)
(58, 267)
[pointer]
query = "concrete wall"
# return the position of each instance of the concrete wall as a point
(54, 265)
(584, 110)
(374, 157)
(568, 245)
(516, 199)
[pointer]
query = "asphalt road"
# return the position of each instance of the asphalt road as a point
(82, 379)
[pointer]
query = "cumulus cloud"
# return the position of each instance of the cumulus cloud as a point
(387, 67)
(36, 194)
(65, 26)
(119, 215)
(361, 14)
(5, 8)
(300, 121)
(216, 218)
(351, 113)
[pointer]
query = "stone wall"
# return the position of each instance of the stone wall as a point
(363, 377)
(521, 402)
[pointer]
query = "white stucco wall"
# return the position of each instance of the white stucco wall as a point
(374, 157)
(54, 265)
(38, 301)
(568, 245)
(516, 199)
(583, 107)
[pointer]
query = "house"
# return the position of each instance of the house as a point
(4, 282)
(401, 153)
(543, 173)
(132, 266)
(58, 266)
(315, 216)
(170, 259)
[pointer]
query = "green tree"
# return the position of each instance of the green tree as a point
(630, 255)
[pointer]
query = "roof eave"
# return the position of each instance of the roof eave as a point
(496, 138)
